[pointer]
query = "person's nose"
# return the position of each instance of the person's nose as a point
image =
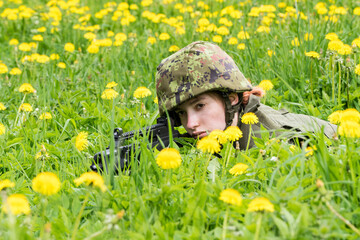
(192, 121)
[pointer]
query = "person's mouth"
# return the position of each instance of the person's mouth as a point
(199, 134)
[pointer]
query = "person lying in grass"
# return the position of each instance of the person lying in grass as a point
(203, 90)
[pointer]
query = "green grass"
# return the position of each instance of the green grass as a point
(182, 203)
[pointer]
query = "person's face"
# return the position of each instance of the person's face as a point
(202, 114)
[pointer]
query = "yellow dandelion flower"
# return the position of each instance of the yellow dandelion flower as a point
(2, 107)
(249, 118)
(164, 36)
(241, 46)
(54, 56)
(110, 34)
(345, 50)
(156, 100)
(142, 92)
(2, 129)
(270, 52)
(335, 117)
(17, 204)
(308, 37)
(322, 10)
(61, 65)
(13, 42)
(282, 5)
(41, 29)
(203, 22)
(168, 158)
(111, 84)
(231, 196)
(312, 54)
(45, 116)
(233, 41)
(109, 94)
(238, 169)
(219, 135)
(350, 114)
(217, 39)
(357, 69)
(3, 68)
(120, 37)
(26, 107)
(331, 36)
(243, 35)
(349, 129)
(91, 179)
(26, 88)
(151, 40)
(293, 148)
(174, 48)
(335, 45)
(223, 30)
(261, 29)
(233, 133)
(93, 49)
(24, 47)
(310, 151)
(356, 11)
(38, 38)
(356, 42)
(81, 142)
(266, 85)
(46, 183)
(295, 42)
(118, 43)
(90, 36)
(6, 183)
(15, 71)
(207, 144)
(42, 59)
(69, 47)
(260, 204)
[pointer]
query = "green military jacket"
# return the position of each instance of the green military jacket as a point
(281, 122)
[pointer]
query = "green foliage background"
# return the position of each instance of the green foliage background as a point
(182, 203)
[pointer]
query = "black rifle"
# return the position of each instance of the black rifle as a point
(123, 153)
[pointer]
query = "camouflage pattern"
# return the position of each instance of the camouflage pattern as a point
(193, 70)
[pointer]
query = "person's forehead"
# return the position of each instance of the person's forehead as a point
(193, 100)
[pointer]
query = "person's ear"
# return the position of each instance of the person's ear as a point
(234, 98)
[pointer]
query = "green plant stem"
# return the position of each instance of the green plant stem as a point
(205, 166)
(18, 112)
(347, 222)
(339, 87)
(347, 88)
(248, 142)
(112, 146)
(225, 223)
(348, 155)
(258, 226)
(332, 69)
(77, 221)
(226, 158)
(265, 98)
(311, 82)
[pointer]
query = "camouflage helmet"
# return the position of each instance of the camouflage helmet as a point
(195, 69)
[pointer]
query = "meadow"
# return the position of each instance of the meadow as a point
(72, 71)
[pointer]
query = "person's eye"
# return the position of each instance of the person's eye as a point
(180, 113)
(199, 106)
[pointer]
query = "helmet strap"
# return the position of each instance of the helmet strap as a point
(230, 110)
